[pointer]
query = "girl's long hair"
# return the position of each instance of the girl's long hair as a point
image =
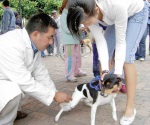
(77, 9)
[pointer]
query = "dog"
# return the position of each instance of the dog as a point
(88, 43)
(94, 94)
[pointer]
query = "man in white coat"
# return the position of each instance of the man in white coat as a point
(21, 69)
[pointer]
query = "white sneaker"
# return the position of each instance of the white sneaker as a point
(80, 74)
(127, 120)
(51, 54)
(72, 79)
(141, 59)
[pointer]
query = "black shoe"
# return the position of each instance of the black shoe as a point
(21, 115)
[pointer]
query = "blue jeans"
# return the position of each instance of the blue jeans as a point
(50, 49)
(42, 54)
(140, 53)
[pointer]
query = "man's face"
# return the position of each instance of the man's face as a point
(54, 15)
(42, 40)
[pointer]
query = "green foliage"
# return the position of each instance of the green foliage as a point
(1, 11)
(30, 7)
(51, 5)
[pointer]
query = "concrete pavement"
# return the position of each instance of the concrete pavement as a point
(39, 114)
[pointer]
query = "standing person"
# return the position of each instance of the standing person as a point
(8, 18)
(56, 17)
(18, 20)
(22, 71)
(127, 20)
(71, 48)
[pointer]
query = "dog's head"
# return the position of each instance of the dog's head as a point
(111, 84)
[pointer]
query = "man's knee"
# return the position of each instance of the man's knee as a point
(11, 106)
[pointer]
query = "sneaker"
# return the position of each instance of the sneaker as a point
(51, 54)
(123, 88)
(141, 59)
(80, 74)
(127, 120)
(71, 79)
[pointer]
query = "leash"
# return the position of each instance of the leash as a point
(96, 87)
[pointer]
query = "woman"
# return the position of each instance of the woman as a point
(126, 20)
(71, 48)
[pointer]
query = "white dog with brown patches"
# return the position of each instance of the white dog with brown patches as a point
(95, 94)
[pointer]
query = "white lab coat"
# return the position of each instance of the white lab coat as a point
(20, 71)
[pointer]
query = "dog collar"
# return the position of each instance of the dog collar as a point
(96, 87)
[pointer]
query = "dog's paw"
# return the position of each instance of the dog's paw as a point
(56, 118)
(114, 116)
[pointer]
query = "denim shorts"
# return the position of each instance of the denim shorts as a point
(135, 30)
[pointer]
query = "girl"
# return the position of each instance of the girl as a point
(126, 20)
(71, 48)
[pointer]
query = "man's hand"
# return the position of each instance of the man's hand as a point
(61, 97)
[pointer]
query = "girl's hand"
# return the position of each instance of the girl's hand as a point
(104, 72)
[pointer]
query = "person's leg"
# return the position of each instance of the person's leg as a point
(137, 54)
(51, 49)
(58, 42)
(135, 30)
(142, 45)
(77, 71)
(96, 64)
(70, 62)
(20, 114)
(42, 54)
(9, 113)
(78, 58)
(48, 49)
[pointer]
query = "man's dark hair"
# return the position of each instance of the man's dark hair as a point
(40, 22)
(5, 3)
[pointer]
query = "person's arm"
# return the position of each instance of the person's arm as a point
(121, 17)
(6, 21)
(40, 74)
(14, 68)
(97, 33)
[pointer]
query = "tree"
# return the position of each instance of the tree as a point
(30, 7)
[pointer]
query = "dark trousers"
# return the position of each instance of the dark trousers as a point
(96, 63)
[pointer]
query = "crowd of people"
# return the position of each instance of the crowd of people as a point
(118, 31)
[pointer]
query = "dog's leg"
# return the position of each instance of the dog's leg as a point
(58, 115)
(93, 113)
(113, 105)
(76, 97)
(89, 48)
(88, 102)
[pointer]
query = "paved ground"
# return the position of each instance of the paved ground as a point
(39, 114)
